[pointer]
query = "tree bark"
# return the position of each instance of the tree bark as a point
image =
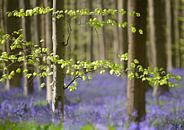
(181, 32)
(58, 49)
(125, 33)
(152, 50)
(104, 30)
(37, 37)
(116, 35)
(13, 24)
(160, 40)
(76, 39)
(3, 27)
(48, 41)
(169, 36)
(175, 33)
(91, 35)
(26, 26)
(136, 50)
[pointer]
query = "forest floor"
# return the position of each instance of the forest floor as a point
(101, 102)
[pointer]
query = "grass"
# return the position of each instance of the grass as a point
(8, 125)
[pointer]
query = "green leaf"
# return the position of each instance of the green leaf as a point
(131, 75)
(136, 61)
(132, 65)
(34, 74)
(178, 77)
(140, 31)
(42, 85)
(111, 72)
(90, 77)
(83, 78)
(18, 70)
(28, 75)
(133, 29)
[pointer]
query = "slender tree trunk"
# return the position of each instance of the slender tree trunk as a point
(105, 44)
(37, 37)
(3, 27)
(169, 36)
(116, 38)
(160, 40)
(101, 38)
(120, 32)
(175, 33)
(125, 33)
(137, 50)
(58, 49)
(152, 34)
(48, 30)
(91, 35)
(26, 25)
(13, 24)
(181, 32)
(76, 39)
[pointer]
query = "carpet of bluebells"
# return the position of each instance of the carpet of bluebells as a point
(100, 102)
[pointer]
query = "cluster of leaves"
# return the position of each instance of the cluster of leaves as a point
(18, 55)
(93, 20)
(22, 52)
(155, 76)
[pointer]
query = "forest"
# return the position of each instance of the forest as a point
(91, 64)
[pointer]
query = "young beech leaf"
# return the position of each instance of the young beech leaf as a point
(133, 29)
(140, 31)
(90, 77)
(42, 85)
(111, 72)
(34, 74)
(136, 61)
(83, 78)
(18, 70)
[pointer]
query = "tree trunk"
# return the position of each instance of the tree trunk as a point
(3, 27)
(175, 33)
(37, 37)
(76, 39)
(152, 50)
(181, 32)
(160, 40)
(26, 26)
(105, 43)
(169, 36)
(91, 35)
(125, 34)
(58, 49)
(136, 50)
(13, 24)
(48, 40)
(116, 38)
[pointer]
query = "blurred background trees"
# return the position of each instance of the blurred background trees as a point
(161, 44)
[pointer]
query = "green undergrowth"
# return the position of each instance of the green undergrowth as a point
(8, 125)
